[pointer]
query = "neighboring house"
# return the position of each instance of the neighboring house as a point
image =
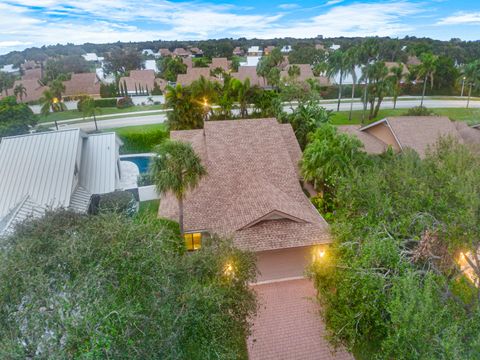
(151, 65)
(33, 90)
(254, 51)
(188, 61)
(92, 57)
(251, 61)
(138, 81)
(268, 49)
(181, 52)
(249, 72)
(286, 49)
(150, 52)
(222, 63)
(164, 52)
(196, 52)
(82, 84)
(251, 194)
(413, 60)
(238, 51)
(32, 74)
(305, 74)
(51, 170)
(194, 74)
(414, 132)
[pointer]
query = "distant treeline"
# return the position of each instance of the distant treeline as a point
(391, 49)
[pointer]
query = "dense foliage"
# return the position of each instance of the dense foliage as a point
(110, 287)
(15, 118)
(141, 139)
(390, 285)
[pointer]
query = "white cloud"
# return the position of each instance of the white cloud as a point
(333, 2)
(470, 18)
(133, 20)
(288, 6)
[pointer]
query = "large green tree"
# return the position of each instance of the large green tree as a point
(112, 287)
(427, 71)
(121, 61)
(15, 118)
(176, 168)
(186, 112)
(471, 76)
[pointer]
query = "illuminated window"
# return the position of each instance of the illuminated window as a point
(193, 241)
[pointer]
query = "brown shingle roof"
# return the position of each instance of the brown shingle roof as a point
(164, 52)
(32, 74)
(82, 84)
(305, 74)
(181, 52)
(140, 79)
(220, 63)
(33, 88)
(371, 144)
(250, 72)
(252, 191)
(194, 74)
(414, 132)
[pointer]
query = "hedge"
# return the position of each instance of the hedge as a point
(141, 139)
(104, 103)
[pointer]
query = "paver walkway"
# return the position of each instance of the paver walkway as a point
(288, 326)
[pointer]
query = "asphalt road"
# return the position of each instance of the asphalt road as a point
(161, 117)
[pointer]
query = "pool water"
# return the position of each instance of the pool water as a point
(141, 161)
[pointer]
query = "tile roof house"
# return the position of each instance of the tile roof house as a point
(249, 72)
(196, 51)
(33, 89)
(82, 84)
(268, 49)
(414, 132)
(164, 52)
(305, 74)
(194, 74)
(220, 63)
(55, 169)
(413, 60)
(252, 191)
(35, 74)
(181, 52)
(139, 79)
(238, 51)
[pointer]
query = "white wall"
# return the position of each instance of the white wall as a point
(147, 193)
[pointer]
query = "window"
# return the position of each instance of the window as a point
(193, 241)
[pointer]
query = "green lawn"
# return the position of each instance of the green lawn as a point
(459, 114)
(74, 114)
(141, 138)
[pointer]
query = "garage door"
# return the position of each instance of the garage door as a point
(283, 264)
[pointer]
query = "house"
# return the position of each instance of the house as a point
(254, 51)
(188, 61)
(139, 82)
(413, 60)
(164, 52)
(196, 52)
(222, 63)
(251, 61)
(82, 84)
(251, 194)
(150, 52)
(413, 132)
(238, 51)
(92, 57)
(33, 74)
(181, 52)
(34, 90)
(10, 69)
(51, 170)
(151, 65)
(249, 72)
(286, 49)
(194, 74)
(268, 49)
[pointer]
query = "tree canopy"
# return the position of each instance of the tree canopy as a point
(15, 118)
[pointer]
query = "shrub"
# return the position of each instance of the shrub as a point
(419, 111)
(111, 287)
(108, 90)
(104, 103)
(125, 102)
(122, 202)
(141, 140)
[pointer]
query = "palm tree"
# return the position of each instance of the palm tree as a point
(352, 61)
(294, 71)
(57, 88)
(187, 111)
(244, 94)
(367, 53)
(471, 74)
(337, 65)
(89, 109)
(51, 103)
(396, 79)
(176, 168)
(427, 69)
(20, 91)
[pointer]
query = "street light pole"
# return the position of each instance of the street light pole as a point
(463, 86)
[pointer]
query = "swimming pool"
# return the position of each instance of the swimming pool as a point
(142, 162)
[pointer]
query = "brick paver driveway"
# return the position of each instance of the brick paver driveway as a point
(287, 326)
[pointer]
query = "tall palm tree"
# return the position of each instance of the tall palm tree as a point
(244, 94)
(337, 65)
(352, 61)
(367, 53)
(20, 91)
(51, 103)
(396, 76)
(427, 69)
(176, 168)
(471, 74)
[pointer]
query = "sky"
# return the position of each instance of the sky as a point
(27, 23)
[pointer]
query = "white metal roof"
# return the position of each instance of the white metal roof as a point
(40, 166)
(99, 161)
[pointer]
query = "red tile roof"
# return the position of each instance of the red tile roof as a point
(252, 191)
(140, 79)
